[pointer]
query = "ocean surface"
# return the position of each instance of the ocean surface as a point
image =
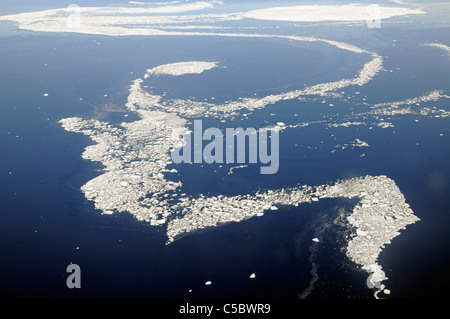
(46, 223)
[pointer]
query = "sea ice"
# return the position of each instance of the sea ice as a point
(181, 68)
(441, 46)
(141, 148)
(120, 21)
(347, 12)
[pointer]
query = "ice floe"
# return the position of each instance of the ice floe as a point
(441, 46)
(379, 217)
(135, 155)
(355, 143)
(385, 124)
(346, 12)
(231, 171)
(432, 96)
(346, 124)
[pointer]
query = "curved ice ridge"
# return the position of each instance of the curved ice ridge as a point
(346, 12)
(188, 108)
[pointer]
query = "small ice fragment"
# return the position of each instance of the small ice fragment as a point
(252, 276)
(387, 291)
(274, 208)
(280, 124)
(208, 283)
(123, 183)
(160, 221)
(45, 94)
(316, 240)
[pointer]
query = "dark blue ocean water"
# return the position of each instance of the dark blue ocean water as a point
(46, 223)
